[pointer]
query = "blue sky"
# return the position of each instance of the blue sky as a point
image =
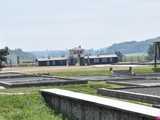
(61, 24)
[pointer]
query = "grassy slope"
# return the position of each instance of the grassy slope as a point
(26, 107)
(32, 107)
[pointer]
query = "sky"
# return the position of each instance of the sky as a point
(61, 24)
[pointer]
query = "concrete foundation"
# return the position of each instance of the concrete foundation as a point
(36, 81)
(78, 106)
(151, 99)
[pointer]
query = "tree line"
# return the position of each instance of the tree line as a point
(3, 56)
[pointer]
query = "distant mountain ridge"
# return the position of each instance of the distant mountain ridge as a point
(49, 53)
(132, 46)
(129, 47)
(124, 47)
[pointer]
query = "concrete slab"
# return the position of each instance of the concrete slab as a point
(137, 82)
(88, 107)
(132, 94)
(36, 81)
(12, 75)
(101, 78)
(147, 90)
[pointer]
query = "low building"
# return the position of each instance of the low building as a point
(52, 61)
(87, 60)
(101, 59)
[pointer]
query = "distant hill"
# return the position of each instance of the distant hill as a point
(49, 53)
(129, 47)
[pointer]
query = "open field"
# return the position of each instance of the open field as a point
(28, 105)
(31, 106)
(78, 71)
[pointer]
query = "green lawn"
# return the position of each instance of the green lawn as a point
(143, 70)
(99, 71)
(26, 107)
(83, 72)
(32, 107)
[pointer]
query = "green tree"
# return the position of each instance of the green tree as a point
(120, 55)
(3, 55)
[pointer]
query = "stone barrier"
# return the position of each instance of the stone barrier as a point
(152, 99)
(43, 82)
(79, 106)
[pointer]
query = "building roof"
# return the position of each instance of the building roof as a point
(51, 59)
(102, 56)
(65, 58)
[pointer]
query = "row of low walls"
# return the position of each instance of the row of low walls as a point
(43, 82)
(79, 106)
(152, 99)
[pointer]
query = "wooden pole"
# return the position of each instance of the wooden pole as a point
(155, 55)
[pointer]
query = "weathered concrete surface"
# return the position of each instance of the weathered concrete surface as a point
(36, 81)
(145, 90)
(78, 106)
(140, 82)
(109, 78)
(12, 75)
(122, 94)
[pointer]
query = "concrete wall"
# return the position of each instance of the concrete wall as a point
(78, 106)
(44, 82)
(129, 95)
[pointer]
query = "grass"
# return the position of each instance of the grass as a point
(77, 71)
(32, 107)
(82, 72)
(26, 107)
(86, 88)
(91, 87)
(143, 70)
(100, 71)
(136, 54)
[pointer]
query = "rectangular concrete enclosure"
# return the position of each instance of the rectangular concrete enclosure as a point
(12, 75)
(36, 81)
(79, 106)
(137, 82)
(136, 96)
